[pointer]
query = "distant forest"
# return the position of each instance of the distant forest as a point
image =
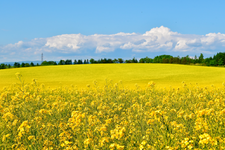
(216, 60)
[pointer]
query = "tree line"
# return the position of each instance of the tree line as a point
(216, 60)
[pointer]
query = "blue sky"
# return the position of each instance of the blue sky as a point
(96, 29)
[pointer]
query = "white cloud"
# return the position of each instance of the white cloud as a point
(65, 42)
(159, 39)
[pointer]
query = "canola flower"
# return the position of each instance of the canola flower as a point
(111, 117)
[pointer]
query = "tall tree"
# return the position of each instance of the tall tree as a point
(220, 62)
(184, 60)
(120, 60)
(201, 58)
(219, 56)
(92, 60)
(31, 64)
(213, 62)
(2, 66)
(110, 60)
(68, 62)
(61, 62)
(134, 60)
(23, 64)
(80, 61)
(115, 60)
(142, 60)
(195, 60)
(16, 65)
(27, 65)
(171, 60)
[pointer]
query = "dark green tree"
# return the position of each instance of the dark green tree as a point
(92, 61)
(120, 60)
(196, 60)
(61, 62)
(142, 60)
(207, 61)
(201, 58)
(115, 60)
(148, 60)
(171, 60)
(213, 63)
(16, 65)
(27, 65)
(23, 64)
(134, 60)
(176, 60)
(156, 59)
(220, 62)
(68, 62)
(184, 60)
(188, 59)
(45, 63)
(31, 64)
(128, 61)
(2, 66)
(219, 56)
(80, 61)
(165, 60)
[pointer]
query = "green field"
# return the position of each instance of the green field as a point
(164, 75)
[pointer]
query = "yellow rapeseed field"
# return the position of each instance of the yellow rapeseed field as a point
(106, 114)
(163, 75)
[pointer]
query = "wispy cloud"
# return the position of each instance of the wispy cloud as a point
(159, 39)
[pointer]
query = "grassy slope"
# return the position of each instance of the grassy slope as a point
(81, 75)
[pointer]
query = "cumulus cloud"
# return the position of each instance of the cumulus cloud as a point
(159, 39)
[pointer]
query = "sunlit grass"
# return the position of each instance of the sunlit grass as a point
(163, 75)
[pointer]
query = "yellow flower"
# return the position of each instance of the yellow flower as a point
(141, 147)
(119, 147)
(8, 116)
(108, 121)
(68, 142)
(103, 128)
(190, 146)
(18, 75)
(87, 142)
(31, 137)
(112, 146)
(62, 145)
(143, 142)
